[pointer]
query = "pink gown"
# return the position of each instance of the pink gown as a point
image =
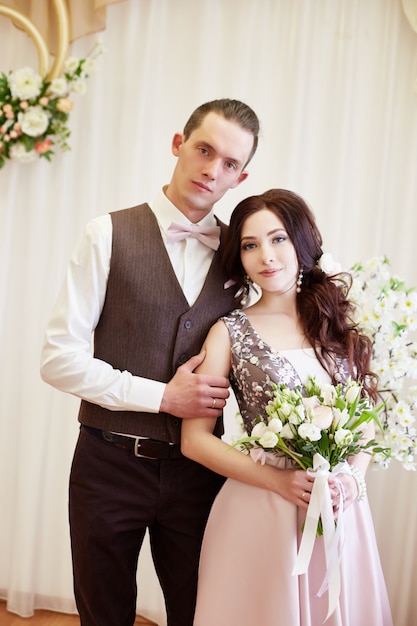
(253, 535)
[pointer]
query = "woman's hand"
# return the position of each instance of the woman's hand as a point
(295, 486)
(345, 485)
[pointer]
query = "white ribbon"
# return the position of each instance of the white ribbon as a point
(320, 505)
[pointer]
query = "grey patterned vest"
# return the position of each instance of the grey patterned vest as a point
(147, 326)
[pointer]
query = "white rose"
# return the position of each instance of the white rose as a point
(58, 87)
(327, 264)
(340, 417)
(309, 431)
(285, 409)
(271, 413)
(352, 393)
(79, 86)
(71, 64)
(329, 394)
(275, 425)
(34, 121)
(322, 417)
(286, 432)
(25, 83)
(18, 153)
(343, 436)
(259, 429)
(311, 401)
(268, 439)
(299, 415)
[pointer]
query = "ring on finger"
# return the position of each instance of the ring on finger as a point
(213, 406)
(303, 494)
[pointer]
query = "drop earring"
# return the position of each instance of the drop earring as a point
(246, 289)
(243, 292)
(300, 279)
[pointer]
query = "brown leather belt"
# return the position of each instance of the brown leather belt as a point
(141, 447)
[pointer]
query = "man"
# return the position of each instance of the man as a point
(149, 295)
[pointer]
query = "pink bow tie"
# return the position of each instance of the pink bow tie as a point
(209, 235)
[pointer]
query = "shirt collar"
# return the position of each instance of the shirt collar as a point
(166, 212)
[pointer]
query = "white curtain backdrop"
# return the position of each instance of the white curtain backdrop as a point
(334, 83)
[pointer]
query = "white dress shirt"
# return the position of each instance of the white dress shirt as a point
(67, 361)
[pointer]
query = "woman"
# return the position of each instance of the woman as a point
(300, 326)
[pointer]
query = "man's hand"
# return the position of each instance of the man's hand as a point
(195, 395)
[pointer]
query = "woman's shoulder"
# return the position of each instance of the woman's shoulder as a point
(235, 317)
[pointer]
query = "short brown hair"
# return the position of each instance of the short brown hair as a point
(233, 110)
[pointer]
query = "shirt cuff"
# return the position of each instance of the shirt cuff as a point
(145, 395)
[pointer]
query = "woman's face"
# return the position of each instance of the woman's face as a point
(267, 253)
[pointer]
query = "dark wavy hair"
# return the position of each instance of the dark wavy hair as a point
(324, 309)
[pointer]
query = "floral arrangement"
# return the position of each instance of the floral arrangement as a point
(34, 111)
(319, 419)
(319, 427)
(386, 310)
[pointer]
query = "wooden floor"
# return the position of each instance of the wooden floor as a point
(48, 618)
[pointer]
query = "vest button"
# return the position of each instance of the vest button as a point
(188, 324)
(175, 421)
(183, 358)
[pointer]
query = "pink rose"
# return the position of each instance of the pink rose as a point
(322, 417)
(43, 146)
(311, 402)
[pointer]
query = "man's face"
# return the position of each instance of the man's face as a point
(210, 162)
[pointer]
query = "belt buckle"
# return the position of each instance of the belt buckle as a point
(137, 448)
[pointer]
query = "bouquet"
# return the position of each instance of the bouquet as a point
(386, 310)
(34, 111)
(322, 419)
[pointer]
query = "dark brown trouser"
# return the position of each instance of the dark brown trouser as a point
(114, 498)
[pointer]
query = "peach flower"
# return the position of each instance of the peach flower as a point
(65, 105)
(43, 146)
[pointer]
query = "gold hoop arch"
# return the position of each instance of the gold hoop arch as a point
(63, 38)
(34, 34)
(43, 53)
